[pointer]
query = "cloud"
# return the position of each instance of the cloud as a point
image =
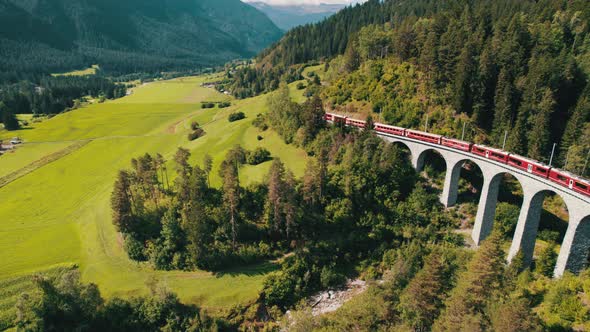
(303, 2)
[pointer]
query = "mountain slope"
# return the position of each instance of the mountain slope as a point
(516, 73)
(41, 35)
(287, 17)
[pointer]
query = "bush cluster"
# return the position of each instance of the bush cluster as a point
(258, 156)
(196, 134)
(236, 116)
(197, 131)
(260, 122)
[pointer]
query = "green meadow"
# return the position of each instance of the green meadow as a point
(59, 214)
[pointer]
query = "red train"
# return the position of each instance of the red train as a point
(537, 168)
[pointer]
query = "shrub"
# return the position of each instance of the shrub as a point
(548, 235)
(224, 104)
(260, 122)
(134, 249)
(260, 138)
(196, 134)
(300, 86)
(279, 289)
(546, 261)
(330, 278)
(236, 116)
(195, 125)
(207, 105)
(506, 218)
(257, 156)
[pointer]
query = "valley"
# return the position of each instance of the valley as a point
(59, 213)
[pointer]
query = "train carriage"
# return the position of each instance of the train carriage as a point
(456, 144)
(387, 129)
(570, 181)
(422, 136)
(331, 117)
(529, 165)
(355, 123)
(490, 153)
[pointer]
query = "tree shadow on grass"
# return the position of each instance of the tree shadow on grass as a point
(249, 270)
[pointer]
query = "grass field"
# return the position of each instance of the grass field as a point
(84, 72)
(59, 213)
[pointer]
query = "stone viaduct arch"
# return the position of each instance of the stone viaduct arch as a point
(576, 243)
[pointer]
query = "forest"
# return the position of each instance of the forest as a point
(505, 68)
(360, 209)
(53, 95)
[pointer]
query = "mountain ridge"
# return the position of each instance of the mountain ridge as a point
(131, 35)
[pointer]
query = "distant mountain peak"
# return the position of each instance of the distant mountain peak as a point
(287, 16)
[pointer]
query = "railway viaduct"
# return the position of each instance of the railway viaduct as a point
(576, 243)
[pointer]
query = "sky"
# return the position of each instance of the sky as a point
(304, 2)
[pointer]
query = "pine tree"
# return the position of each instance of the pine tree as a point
(421, 301)
(483, 277)
(312, 118)
(311, 185)
(231, 198)
(290, 205)
(352, 58)
(485, 87)
(273, 210)
(8, 118)
(539, 137)
(429, 56)
(448, 52)
(464, 77)
(181, 159)
(504, 109)
(513, 315)
(208, 166)
(517, 137)
(121, 203)
(575, 126)
(545, 263)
